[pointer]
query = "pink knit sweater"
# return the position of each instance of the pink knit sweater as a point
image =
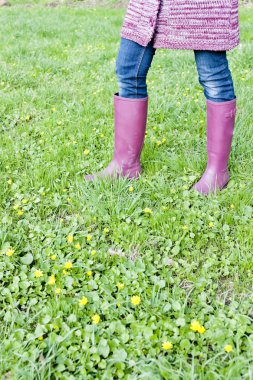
(183, 24)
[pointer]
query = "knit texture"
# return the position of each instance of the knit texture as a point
(183, 24)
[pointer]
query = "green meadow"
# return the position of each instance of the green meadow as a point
(117, 278)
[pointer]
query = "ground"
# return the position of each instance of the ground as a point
(118, 279)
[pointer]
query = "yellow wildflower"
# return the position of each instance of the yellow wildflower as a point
(38, 273)
(106, 230)
(95, 319)
(211, 224)
(131, 189)
(9, 252)
(120, 285)
(51, 280)
(53, 257)
(78, 246)
(167, 345)
(89, 273)
(195, 326)
(83, 301)
(58, 290)
(20, 212)
(93, 252)
(147, 210)
(40, 338)
(201, 330)
(89, 237)
(86, 152)
(70, 238)
(68, 265)
(135, 300)
(228, 348)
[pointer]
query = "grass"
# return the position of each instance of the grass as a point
(186, 256)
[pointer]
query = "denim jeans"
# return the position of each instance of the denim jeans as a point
(134, 60)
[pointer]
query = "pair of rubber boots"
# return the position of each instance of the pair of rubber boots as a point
(130, 119)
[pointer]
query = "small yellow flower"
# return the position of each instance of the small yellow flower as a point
(53, 257)
(118, 304)
(211, 224)
(58, 290)
(89, 273)
(135, 300)
(93, 252)
(78, 246)
(68, 265)
(20, 212)
(147, 210)
(201, 330)
(10, 252)
(38, 273)
(65, 271)
(185, 227)
(195, 325)
(167, 345)
(106, 230)
(51, 280)
(131, 189)
(86, 152)
(70, 238)
(9, 181)
(120, 285)
(83, 301)
(232, 206)
(24, 201)
(95, 319)
(53, 109)
(164, 139)
(89, 237)
(228, 348)
(40, 338)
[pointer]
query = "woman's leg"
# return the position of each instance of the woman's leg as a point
(215, 77)
(132, 65)
(130, 110)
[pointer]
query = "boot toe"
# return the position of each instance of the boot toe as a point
(200, 188)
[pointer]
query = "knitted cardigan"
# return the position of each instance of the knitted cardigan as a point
(183, 24)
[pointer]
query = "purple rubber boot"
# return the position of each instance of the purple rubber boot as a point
(220, 128)
(130, 118)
